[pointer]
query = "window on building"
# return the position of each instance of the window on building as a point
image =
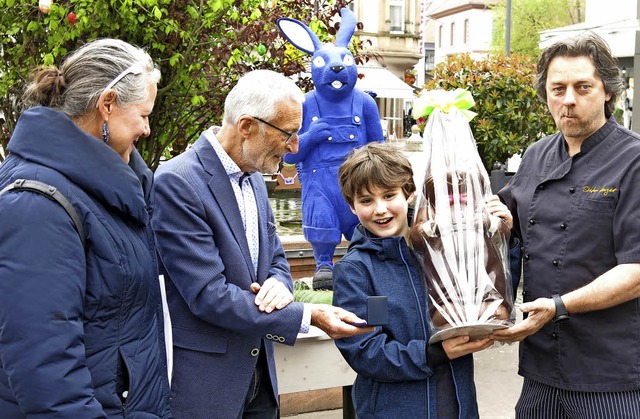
(440, 36)
(466, 31)
(429, 59)
(396, 16)
(453, 32)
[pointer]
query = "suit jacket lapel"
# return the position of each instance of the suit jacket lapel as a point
(223, 195)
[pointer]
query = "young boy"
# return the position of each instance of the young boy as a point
(399, 373)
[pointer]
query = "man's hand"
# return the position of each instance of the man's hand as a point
(272, 295)
(540, 312)
(462, 345)
(337, 322)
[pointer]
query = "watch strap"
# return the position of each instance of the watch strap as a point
(561, 311)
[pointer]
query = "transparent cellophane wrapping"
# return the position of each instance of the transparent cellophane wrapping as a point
(464, 249)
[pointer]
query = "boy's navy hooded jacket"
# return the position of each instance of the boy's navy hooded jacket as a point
(80, 329)
(395, 377)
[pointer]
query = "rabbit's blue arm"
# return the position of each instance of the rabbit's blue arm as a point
(372, 120)
(318, 131)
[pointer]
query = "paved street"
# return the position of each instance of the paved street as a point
(497, 381)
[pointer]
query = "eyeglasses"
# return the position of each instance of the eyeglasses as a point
(290, 135)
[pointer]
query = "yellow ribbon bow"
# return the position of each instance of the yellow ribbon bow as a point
(444, 100)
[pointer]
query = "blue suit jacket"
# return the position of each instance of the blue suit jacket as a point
(217, 328)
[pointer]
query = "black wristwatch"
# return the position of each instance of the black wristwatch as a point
(561, 311)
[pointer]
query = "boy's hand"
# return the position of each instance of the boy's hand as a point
(462, 345)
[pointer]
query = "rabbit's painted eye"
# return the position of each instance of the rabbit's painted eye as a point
(318, 62)
(347, 60)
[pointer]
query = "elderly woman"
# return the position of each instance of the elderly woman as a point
(80, 325)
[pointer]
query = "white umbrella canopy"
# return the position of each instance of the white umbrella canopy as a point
(383, 83)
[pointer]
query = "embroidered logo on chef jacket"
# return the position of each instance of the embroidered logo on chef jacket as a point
(599, 190)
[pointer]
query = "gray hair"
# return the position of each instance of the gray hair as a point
(586, 44)
(257, 93)
(75, 87)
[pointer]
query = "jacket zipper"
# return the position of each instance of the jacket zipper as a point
(413, 288)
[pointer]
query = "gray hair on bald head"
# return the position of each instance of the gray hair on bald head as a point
(258, 93)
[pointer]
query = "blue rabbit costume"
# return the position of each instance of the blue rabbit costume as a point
(337, 117)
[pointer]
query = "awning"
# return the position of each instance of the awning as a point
(383, 83)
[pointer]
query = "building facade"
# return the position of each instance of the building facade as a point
(460, 26)
(393, 28)
(392, 31)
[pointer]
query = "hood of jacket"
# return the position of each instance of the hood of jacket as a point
(51, 139)
(383, 248)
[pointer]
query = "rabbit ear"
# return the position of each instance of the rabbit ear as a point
(299, 35)
(347, 27)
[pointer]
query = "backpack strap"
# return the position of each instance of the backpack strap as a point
(53, 194)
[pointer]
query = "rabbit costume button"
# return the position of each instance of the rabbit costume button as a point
(329, 132)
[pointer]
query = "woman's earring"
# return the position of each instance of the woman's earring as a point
(105, 132)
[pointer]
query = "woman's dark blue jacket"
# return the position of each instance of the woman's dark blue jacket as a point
(80, 335)
(395, 379)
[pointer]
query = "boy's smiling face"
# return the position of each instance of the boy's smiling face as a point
(383, 211)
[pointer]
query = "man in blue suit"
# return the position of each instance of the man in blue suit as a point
(229, 287)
